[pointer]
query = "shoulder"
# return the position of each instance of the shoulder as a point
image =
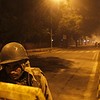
(34, 70)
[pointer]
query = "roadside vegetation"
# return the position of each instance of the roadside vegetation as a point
(31, 22)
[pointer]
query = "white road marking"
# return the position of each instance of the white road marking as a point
(87, 93)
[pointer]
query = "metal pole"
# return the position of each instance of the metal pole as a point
(51, 34)
(51, 30)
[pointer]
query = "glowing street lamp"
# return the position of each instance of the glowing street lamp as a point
(51, 39)
(57, 2)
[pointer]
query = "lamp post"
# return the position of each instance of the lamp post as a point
(51, 11)
(51, 28)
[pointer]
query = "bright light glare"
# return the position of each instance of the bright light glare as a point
(88, 40)
(56, 1)
(84, 40)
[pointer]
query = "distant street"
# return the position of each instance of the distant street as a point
(72, 74)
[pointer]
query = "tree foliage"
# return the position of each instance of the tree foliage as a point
(70, 23)
(30, 20)
(22, 20)
(79, 20)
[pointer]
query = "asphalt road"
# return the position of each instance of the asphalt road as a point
(71, 74)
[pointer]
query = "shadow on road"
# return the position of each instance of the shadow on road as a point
(50, 63)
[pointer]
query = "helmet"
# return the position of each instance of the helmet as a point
(13, 52)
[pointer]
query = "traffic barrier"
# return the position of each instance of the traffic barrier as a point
(20, 92)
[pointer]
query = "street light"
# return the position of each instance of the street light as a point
(51, 28)
(51, 32)
(52, 4)
(56, 1)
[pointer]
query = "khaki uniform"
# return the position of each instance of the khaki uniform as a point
(34, 78)
(31, 77)
(39, 80)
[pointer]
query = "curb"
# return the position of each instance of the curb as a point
(39, 50)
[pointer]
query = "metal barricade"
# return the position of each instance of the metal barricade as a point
(10, 91)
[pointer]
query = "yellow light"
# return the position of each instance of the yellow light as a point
(56, 1)
(59, 1)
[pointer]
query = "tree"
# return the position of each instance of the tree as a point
(70, 24)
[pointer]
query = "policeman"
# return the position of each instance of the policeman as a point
(16, 69)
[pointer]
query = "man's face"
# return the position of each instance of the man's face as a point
(14, 70)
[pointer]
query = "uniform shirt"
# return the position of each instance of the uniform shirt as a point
(30, 77)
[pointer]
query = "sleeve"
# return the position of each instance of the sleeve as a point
(45, 87)
(43, 84)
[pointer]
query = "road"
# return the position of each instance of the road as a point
(72, 74)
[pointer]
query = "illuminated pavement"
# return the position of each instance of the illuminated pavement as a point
(73, 76)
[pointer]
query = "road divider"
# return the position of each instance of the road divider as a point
(39, 50)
